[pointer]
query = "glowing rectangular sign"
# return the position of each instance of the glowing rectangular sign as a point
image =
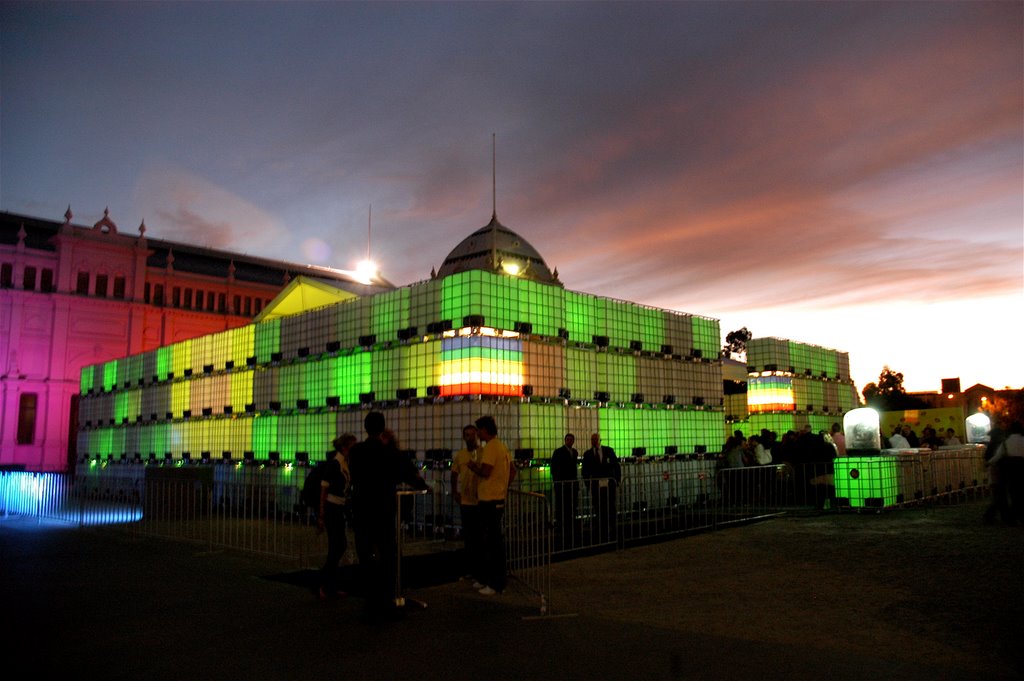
(770, 393)
(482, 365)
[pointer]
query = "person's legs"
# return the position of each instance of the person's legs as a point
(499, 569)
(337, 543)
(1013, 467)
(572, 522)
(560, 501)
(471, 539)
(492, 544)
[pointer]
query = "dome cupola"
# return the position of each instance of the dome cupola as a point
(496, 248)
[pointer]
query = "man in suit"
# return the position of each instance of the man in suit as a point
(603, 475)
(566, 492)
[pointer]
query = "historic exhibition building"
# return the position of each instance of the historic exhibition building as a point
(492, 331)
(73, 296)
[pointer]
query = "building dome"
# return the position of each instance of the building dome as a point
(496, 248)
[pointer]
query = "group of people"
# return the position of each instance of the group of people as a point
(904, 437)
(366, 475)
(740, 451)
(602, 474)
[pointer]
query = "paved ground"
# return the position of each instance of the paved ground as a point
(911, 594)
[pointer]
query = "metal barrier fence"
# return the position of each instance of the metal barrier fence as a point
(528, 544)
(258, 509)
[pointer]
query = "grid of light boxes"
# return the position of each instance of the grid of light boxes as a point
(790, 385)
(433, 356)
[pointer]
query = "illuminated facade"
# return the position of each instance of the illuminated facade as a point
(791, 385)
(473, 339)
(72, 296)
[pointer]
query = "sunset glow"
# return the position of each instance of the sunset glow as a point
(846, 174)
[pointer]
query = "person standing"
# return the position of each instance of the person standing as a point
(493, 472)
(464, 485)
(331, 519)
(999, 503)
(377, 470)
(566, 487)
(839, 439)
(603, 475)
(1010, 457)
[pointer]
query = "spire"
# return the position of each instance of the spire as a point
(68, 215)
(494, 204)
(494, 178)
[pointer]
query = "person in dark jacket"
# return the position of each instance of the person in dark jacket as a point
(377, 470)
(603, 475)
(566, 487)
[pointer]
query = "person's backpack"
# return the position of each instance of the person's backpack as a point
(310, 496)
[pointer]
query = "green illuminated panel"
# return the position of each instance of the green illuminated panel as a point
(417, 366)
(706, 336)
(348, 376)
(163, 361)
(104, 442)
(778, 423)
(126, 405)
(264, 436)
(384, 374)
(583, 319)
(461, 294)
(314, 383)
(874, 478)
(651, 328)
(110, 375)
(267, 339)
(655, 429)
(88, 379)
(310, 433)
(154, 439)
(290, 386)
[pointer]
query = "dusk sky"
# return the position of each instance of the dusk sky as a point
(848, 174)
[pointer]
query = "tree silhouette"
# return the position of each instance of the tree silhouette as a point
(888, 394)
(736, 342)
